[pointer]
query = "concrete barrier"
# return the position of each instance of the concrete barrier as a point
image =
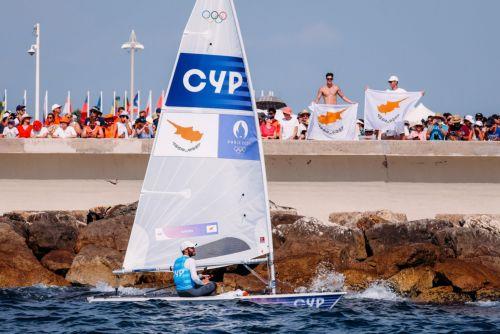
(420, 179)
(297, 161)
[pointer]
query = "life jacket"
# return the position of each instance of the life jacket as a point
(24, 133)
(182, 275)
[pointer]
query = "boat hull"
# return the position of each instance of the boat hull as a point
(323, 300)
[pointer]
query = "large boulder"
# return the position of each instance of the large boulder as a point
(443, 295)
(478, 236)
(95, 264)
(306, 243)
(468, 277)
(359, 279)
(53, 230)
(382, 238)
(366, 219)
(104, 212)
(59, 261)
(17, 223)
(111, 233)
(413, 281)
(18, 265)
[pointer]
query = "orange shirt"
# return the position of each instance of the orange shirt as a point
(111, 131)
(276, 124)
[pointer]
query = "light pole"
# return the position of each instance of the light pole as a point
(35, 50)
(131, 46)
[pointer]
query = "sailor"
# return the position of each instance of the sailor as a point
(187, 281)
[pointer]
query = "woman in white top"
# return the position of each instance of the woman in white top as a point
(39, 131)
(64, 130)
(289, 125)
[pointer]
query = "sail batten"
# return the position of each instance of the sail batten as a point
(205, 180)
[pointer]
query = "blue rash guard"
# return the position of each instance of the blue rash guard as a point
(182, 275)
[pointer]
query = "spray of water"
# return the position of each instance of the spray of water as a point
(379, 290)
(325, 279)
(104, 287)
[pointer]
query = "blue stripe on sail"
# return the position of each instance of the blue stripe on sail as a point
(194, 71)
(239, 64)
(238, 99)
(234, 105)
(247, 94)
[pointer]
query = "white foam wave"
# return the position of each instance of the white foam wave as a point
(485, 303)
(105, 287)
(47, 287)
(325, 280)
(379, 290)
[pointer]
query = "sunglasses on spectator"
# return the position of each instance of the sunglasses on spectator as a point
(329, 79)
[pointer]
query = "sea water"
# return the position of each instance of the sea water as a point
(66, 310)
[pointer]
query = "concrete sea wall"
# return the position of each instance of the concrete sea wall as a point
(299, 161)
(420, 179)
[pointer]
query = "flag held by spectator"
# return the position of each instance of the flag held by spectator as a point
(386, 110)
(333, 122)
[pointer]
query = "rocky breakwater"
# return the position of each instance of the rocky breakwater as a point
(449, 259)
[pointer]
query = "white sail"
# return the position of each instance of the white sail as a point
(205, 180)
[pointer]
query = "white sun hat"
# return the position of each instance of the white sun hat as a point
(187, 244)
(55, 106)
(393, 78)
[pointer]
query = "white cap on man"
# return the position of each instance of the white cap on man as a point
(55, 106)
(393, 78)
(187, 244)
(469, 118)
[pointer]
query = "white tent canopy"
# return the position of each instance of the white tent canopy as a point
(416, 115)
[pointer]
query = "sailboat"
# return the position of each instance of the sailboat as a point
(206, 181)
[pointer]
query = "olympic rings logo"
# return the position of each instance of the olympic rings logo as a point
(239, 149)
(215, 16)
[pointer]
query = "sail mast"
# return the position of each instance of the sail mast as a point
(270, 256)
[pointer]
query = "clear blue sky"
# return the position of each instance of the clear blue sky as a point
(450, 48)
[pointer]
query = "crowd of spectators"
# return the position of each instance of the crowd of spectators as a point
(437, 127)
(96, 125)
(285, 127)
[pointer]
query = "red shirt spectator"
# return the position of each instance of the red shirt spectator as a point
(268, 130)
(271, 113)
(25, 127)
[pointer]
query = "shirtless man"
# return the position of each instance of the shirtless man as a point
(330, 91)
